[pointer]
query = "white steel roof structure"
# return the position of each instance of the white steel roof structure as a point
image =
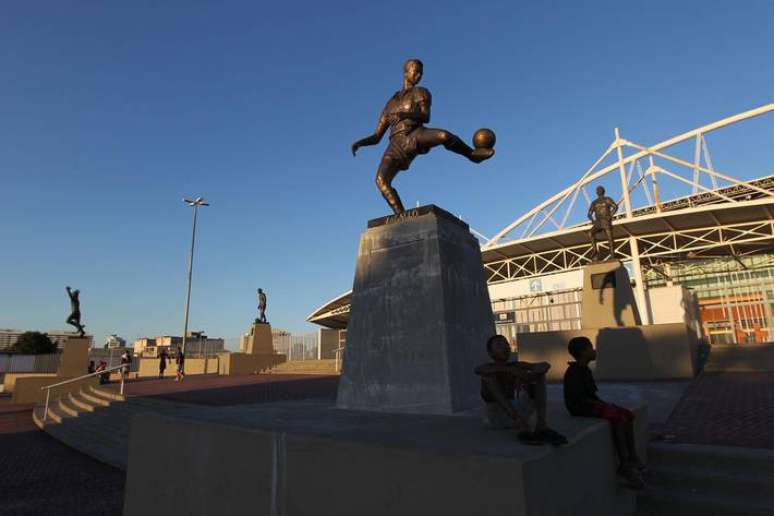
(712, 214)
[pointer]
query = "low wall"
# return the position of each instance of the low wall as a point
(9, 381)
(360, 463)
(150, 366)
(652, 352)
(28, 389)
(245, 363)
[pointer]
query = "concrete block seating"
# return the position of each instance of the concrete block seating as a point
(301, 458)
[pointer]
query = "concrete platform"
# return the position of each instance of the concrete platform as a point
(635, 353)
(308, 457)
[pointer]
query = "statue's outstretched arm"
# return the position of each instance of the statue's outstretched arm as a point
(375, 138)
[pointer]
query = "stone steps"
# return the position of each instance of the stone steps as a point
(689, 480)
(68, 407)
(97, 421)
(94, 398)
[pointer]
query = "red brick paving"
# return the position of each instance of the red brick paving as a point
(40, 476)
(726, 409)
(15, 418)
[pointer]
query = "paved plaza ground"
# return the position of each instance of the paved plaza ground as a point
(39, 475)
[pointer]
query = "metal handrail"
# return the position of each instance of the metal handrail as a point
(48, 388)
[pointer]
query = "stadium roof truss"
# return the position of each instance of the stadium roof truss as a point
(726, 217)
(713, 214)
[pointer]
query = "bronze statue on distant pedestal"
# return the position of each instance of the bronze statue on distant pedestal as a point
(75, 311)
(603, 209)
(261, 307)
(405, 115)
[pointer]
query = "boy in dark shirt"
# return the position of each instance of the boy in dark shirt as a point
(580, 397)
(507, 406)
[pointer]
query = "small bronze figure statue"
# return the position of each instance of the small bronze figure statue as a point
(603, 208)
(261, 307)
(405, 115)
(75, 311)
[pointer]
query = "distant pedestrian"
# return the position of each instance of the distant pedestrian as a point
(162, 363)
(104, 377)
(91, 367)
(180, 359)
(126, 361)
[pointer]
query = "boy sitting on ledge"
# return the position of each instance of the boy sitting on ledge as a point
(580, 397)
(506, 406)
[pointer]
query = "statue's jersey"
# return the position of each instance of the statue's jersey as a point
(405, 102)
(603, 209)
(403, 147)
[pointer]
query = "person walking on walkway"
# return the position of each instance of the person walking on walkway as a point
(162, 363)
(126, 360)
(180, 359)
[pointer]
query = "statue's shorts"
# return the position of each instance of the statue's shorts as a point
(598, 226)
(403, 148)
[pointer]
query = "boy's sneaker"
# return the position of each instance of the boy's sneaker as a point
(639, 466)
(530, 438)
(631, 478)
(551, 437)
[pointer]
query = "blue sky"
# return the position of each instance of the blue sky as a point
(113, 111)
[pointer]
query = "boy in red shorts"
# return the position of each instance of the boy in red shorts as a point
(580, 397)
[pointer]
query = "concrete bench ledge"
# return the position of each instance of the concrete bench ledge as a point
(354, 463)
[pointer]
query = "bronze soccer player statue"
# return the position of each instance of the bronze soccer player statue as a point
(603, 208)
(405, 115)
(261, 306)
(75, 311)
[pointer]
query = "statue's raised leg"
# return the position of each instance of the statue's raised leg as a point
(429, 138)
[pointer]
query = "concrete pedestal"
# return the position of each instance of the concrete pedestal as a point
(74, 360)
(645, 353)
(420, 316)
(626, 350)
(258, 341)
(307, 458)
(608, 299)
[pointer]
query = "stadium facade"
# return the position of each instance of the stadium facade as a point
(697, 241)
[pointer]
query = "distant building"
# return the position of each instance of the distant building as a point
(142, 343)
(114, 341)
(196, 342)
(8, 337)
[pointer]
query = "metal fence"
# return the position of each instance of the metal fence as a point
(18, 363)
(297, 347)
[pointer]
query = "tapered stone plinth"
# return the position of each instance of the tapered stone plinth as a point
(74, 360)
(258, 341)
(608, 299)
(420, 317)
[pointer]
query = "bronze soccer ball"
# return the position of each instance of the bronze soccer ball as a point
(484, 139)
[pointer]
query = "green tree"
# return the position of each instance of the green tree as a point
(34, 343)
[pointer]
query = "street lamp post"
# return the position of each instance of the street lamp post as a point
(195, 205)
